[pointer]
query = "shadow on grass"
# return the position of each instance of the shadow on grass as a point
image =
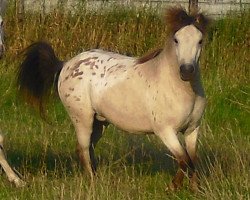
(145, 159)
(144, 156)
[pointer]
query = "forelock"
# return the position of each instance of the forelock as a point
(177, 17)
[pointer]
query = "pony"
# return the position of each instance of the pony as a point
(160, 93)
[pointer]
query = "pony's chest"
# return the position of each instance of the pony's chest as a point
(182, 112)
(173, 111)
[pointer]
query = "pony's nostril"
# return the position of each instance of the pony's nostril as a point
(190, 69)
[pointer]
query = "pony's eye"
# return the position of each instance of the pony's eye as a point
(176, 41)
(200, 42)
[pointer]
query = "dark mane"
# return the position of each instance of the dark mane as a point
(149, 56)
(176, 18)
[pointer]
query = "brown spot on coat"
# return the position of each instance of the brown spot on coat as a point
(66, 78)
(88, 63)
(86, 59)
(77, 98)
(92, 65)
(77, 74)
(77, 65)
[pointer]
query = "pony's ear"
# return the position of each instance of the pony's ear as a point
(176, 17)
(201, 22)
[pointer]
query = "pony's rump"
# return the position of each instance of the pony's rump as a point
(38, 72)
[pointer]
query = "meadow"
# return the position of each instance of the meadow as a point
(130, 166)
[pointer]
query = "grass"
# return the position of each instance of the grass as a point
(130, 167)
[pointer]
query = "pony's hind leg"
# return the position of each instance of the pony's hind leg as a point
(85, 150)
(88, 131)
(98, 127)
(84, 128)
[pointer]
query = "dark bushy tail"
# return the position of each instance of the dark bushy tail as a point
(38, 73)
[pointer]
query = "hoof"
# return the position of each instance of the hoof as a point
(19, 183)
(193, 184)
(172, 187)
(194, 187)
(17, 179)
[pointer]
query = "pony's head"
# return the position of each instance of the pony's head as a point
(186, 36)
(1, 37)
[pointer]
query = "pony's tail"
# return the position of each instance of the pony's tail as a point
(38, 73)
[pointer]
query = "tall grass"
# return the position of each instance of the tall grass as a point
(130, 167)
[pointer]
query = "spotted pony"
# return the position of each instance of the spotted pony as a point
(160, 93)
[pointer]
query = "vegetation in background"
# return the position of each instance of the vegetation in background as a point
(130, 166)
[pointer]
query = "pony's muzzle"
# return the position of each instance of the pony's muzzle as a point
(187, 71)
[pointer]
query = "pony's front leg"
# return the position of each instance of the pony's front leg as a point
(170, 139)
(191, 146)
(12, 176)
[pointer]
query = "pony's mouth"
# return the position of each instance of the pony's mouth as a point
(186, 77)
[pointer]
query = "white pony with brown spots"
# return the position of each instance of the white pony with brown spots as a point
(160, 93)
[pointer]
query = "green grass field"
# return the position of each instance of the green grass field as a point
(130, 167)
